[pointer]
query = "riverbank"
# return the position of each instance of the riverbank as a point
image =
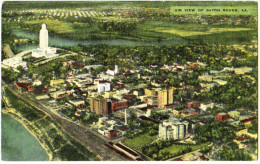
(59, 146)
(10, 112)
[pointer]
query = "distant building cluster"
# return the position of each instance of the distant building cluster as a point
(109, 127)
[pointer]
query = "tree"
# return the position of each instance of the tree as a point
(9, 75)
(254, 127)
(234, 155)
(64, 99)
(133, 115)
(205, 149)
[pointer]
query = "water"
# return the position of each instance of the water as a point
(18, 144)
(60, 42)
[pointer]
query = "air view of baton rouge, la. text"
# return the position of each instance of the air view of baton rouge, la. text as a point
(139, 81)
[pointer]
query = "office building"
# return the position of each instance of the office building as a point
(173, 128)
(44, 50)
(165, 97)
(98, 105)
(103, 87)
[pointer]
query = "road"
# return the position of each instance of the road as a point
(91, 141)
(6, 67)
(21, 54)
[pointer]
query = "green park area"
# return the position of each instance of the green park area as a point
(159, 149)
(176, 148)
(53, 25)
(139, 141)
(185, 33)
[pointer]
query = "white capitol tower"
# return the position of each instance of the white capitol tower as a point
(44, 50)
(43, 37)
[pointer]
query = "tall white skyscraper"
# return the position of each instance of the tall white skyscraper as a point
(43, 38)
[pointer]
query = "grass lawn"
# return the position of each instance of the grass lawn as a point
(54, 25)
(77, 30)
(175, 148)
(185, 30)
(185, 33)
(139, 141)
(153, 30)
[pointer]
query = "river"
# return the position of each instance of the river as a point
(18, 144)
(60, 42)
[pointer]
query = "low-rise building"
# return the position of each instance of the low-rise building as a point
(150, 92)
(42, 97)
(113, 72)
(15, 62)
(176, 112)
(22, 86)
(56, 82)
(151, 100)
(138, 93)
(37, 82)
(207, 78)
(220, 82)
(247, 121)
(103, 87)
(59, 94)
(207, 86)
(222, 116)
(112, 133)
(77, 102)
(205, 106)
(234, 114)
(193, 104)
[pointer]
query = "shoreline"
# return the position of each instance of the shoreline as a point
(45, 147)
(38, 131)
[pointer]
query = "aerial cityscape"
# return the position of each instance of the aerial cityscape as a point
(129, 81)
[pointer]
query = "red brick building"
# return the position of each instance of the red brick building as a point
(170, 106)
(193, 104)
(129, 96)
(248, 120)
(29, 88)
(222, 116)
(23, 86)
(118, 105)
(193, 64)
(112, 133)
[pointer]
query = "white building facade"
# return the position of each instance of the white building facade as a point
(44, 50)
(15, 62)
(103, 87)
(43, 44)
(113, 72)
(173, 128)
